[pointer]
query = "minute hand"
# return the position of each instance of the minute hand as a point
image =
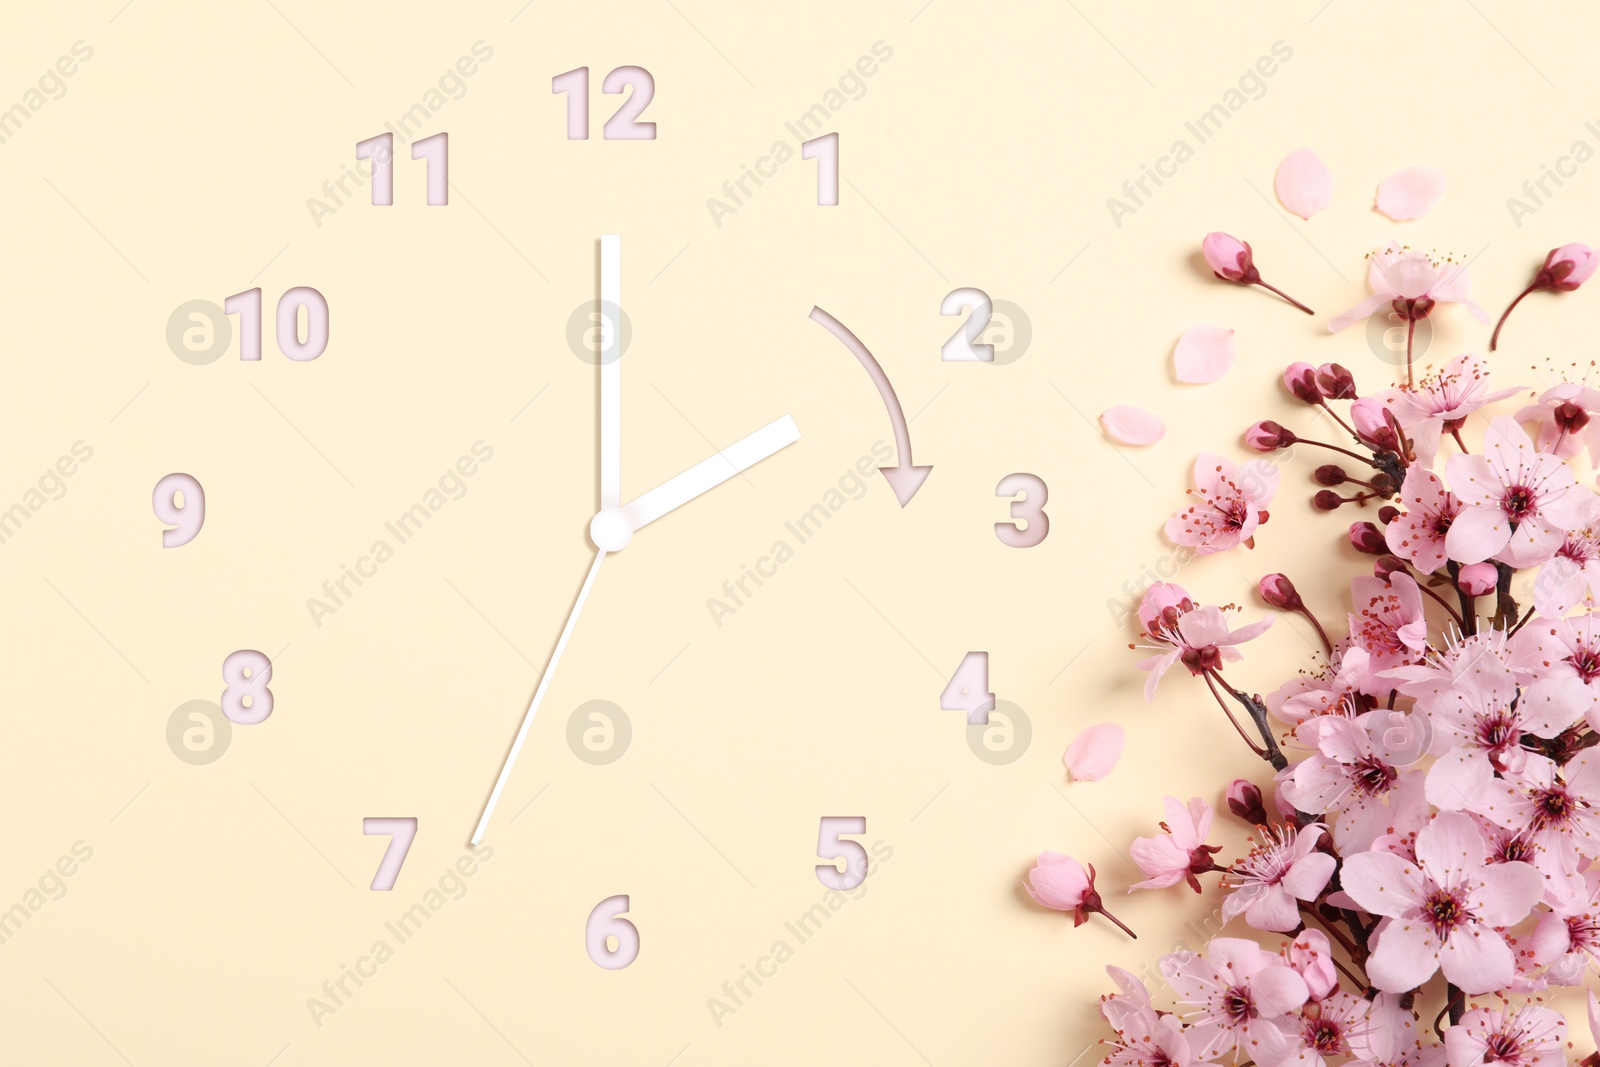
(708, 474)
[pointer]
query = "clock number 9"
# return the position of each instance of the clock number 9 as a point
(185, 518)
(606, 925)
(247, 700)
(1030, 509)
(248, 307)
(832, 846)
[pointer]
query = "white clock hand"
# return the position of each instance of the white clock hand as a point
(610, 372)
(708, 474)
(538, 695)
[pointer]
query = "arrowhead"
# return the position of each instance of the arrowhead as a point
(905, 481)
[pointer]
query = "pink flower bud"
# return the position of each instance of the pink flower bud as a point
(1568, 267)
(1268, 436)
(1365, 537)
(1388, 565)
(1244, 800)
(1476, 579)
(1336, 382)
(1229, 258)
(1279, 592)
(1311, 957)
(1301, 381)
(1329, 474)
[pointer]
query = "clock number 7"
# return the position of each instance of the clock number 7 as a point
(401, 833)
(968, 689)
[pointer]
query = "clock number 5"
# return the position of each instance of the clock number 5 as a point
(401, 832)
(1030, 509)
(832, 846)
(606, 925)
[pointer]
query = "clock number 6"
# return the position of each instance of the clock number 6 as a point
(401, 832)
(1030, 509)
(606, 925)
(832, 847)
(247, 700)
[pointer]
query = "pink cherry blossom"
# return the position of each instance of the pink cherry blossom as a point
(1094, 753)
(1239, 995)
(1441, 402)
(1558, 810)
(1347, 777)
(1528, 1036)
(1334, 690)
(1567, 942)
(1327, 1029)
(1230, 502)
(1231, 260)
(1413, 285)
(1560, 658)
(1180, 853)
(1572, 577)
(1198, 637)
(1388, 624)
(1441, 913)
(1565, 418)
(1060, 883)
(1311, 956)
(1418, 536)
(1283, 868)
(1517, 502)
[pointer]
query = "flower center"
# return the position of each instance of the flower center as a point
(1372, 776)
(1586, 661)
(1238, 1004)
(1446, 911)
(1552, 807)
(1518, 503)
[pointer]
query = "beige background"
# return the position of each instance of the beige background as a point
(177, 167)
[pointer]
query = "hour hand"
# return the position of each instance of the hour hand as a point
(710, 473)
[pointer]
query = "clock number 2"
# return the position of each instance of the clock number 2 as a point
(624, 125)
(832, 846)
(606, 925)
(401, 832)
(961, 347)
(968, 689)
(1030, 509)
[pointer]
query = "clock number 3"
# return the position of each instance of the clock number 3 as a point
(401, 832)
(1030, 509)
(247, 700)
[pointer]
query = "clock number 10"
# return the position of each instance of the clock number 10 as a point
(247, 305)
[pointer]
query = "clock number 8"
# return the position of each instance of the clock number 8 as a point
(247, 700)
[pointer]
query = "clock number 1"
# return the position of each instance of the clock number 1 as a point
(401, 832)
(968, 689)
(825, 150)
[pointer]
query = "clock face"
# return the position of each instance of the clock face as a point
(557, 533)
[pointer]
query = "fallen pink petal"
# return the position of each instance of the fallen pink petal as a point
(1411, 193)
(1204, 354)
(1129, 425)
(1303, 183)
(1094, 753)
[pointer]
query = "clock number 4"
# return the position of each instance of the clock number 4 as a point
(968, 689)
(247, 305)
(624, 125)
(435, 149)
(401, 832)
(605, 926)
(832, 846)
(1030, 509)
